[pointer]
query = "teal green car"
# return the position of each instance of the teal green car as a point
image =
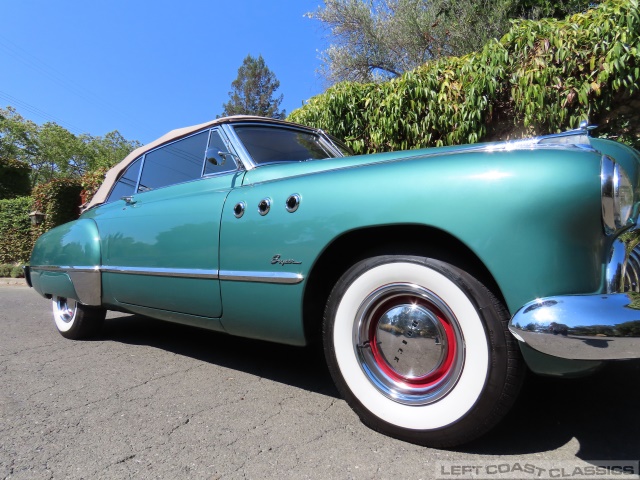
(434, 277)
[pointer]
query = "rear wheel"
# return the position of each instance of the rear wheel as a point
(75, 320)
(420, 350)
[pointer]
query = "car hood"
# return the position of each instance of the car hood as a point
(628, 157)
(275, 171)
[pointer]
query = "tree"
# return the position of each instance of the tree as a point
(375, 40)
(17, 136)
(52, 151)
(253, 91)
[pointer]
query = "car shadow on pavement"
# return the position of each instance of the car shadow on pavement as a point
(299, 367)
(600, 411)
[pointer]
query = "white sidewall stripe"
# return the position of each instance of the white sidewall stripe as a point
(57, 316)
(461, 399)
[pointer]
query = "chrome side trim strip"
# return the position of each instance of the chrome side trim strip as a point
(262, 277)
(161, 272)
(64, 268)
(286, 278)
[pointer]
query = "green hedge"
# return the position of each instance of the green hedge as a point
(16, 238)
(59, 200)
(544, 75)
(15, 178)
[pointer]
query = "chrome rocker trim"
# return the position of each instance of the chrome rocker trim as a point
(87, 280)
(581, 327)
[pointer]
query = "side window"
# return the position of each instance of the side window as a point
(272, 144)
(126, 185)
(217, 144)
(176, 162)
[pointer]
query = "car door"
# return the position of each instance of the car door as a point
(160, 247)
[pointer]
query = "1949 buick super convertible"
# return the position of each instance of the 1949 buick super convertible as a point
(433, 277)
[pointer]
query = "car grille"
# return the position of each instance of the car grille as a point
(632, 271)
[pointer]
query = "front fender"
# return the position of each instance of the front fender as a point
(65, 262)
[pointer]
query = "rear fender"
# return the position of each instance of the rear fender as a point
(66, 262)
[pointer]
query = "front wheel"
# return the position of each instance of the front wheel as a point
(420, 350)
(75, 320)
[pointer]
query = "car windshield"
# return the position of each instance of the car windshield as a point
(276, 144)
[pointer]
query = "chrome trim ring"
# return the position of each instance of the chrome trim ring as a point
(292, 203)
(238, 209)
(408, 343)
(264, 206)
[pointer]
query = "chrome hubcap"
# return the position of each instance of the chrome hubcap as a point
(66, 309)
(408, 343)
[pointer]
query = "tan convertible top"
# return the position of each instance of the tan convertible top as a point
(114, 173)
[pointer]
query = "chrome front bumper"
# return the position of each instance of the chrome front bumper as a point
(581, 327)
(590, 327)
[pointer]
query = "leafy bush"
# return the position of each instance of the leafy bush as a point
(59, 200)
(13, 271)
(546, 75)
(17, 272)
(16, 237)
(90, 182)
(14, 178)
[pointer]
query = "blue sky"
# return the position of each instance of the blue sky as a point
(144, 68)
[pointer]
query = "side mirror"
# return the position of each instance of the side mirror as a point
(216, 157)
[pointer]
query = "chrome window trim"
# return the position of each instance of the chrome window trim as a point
(225, 139)
(135, 187)
(235, 141)
(333, 143)
(164, 145)
(204, 164)
(230, 147)
(135, 190)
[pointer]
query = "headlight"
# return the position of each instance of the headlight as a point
(617, 195)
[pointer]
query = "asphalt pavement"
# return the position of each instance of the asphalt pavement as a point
(155, 400)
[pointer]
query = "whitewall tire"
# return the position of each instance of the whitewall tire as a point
(420, 350)
(75, 320)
